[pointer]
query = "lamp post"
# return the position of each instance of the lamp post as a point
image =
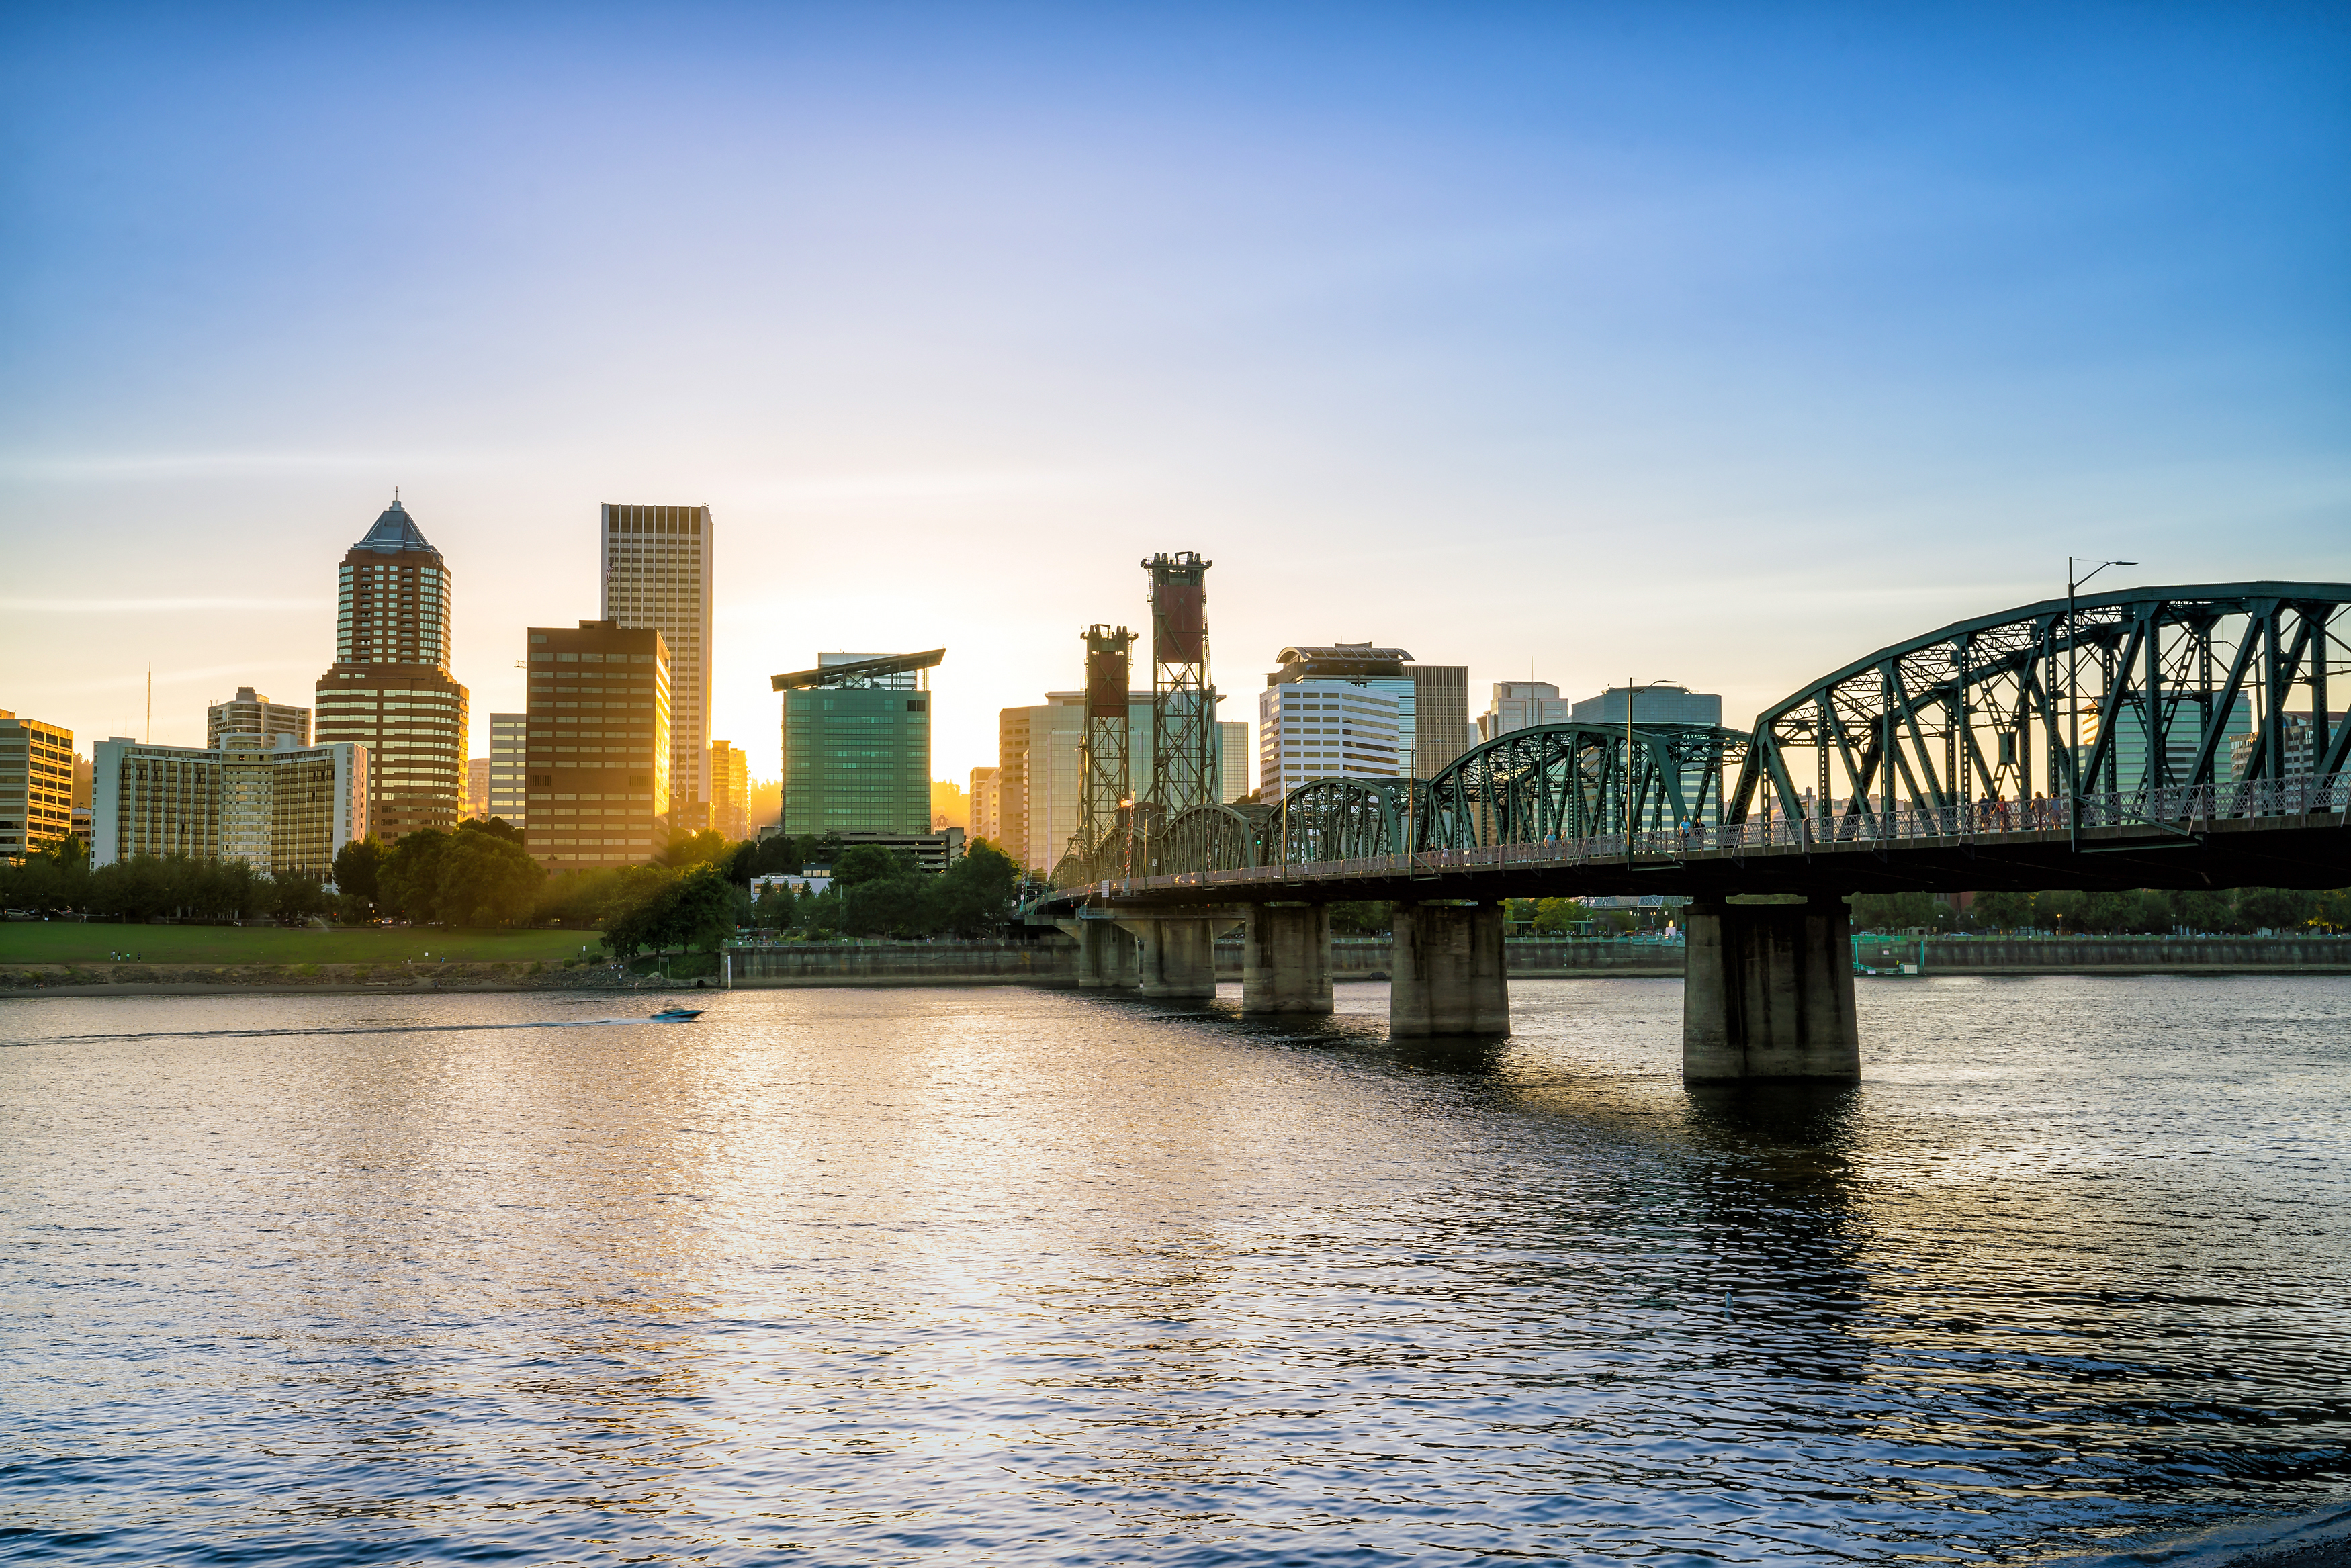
(2074, 703)
(1632, 692)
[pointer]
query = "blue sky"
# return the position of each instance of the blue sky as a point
(1718, 344)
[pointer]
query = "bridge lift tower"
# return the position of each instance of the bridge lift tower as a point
(1104, 755)
(1184, 771)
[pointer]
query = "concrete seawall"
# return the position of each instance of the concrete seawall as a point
(1054, 961)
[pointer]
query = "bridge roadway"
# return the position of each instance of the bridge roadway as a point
(1769, 989)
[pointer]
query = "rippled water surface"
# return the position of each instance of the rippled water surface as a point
(1019, 1275)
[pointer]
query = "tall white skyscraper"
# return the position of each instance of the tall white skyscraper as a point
(657, 575)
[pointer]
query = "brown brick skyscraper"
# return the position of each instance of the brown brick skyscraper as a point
(389, 688)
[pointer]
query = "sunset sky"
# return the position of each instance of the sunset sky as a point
(1715, 344)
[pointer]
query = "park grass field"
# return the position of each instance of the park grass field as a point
(70, 941)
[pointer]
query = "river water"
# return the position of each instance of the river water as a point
(1016, 1275)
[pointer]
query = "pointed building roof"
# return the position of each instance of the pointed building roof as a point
(395, 529)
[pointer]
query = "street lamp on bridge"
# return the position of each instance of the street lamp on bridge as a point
(1631, 693)
(2074, 702)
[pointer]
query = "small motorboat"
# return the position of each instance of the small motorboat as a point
(676, 1016)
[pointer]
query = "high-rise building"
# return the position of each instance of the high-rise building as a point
(477, 788)
(509, 759)
(950, 807)
(1316, 729)
(37, 785)
(597, 769)
(1663, 704)
(657, 576)
(1051, 773)
(1233, 762)
(2297, 738)
(247, 713)
(390, 691)
(985, 821)
(857, 744)
(279, 806)
(2127, 763)
(1352, 709)
(1523, 705)
(1440, 716)
(1012, 788)
(730, 791)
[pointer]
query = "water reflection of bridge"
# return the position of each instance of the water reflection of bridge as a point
(2175, 737)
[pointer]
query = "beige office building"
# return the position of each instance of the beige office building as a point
(509, 744)
(730, 789)
(249, 713)
(1516, 705)
(986, 818)
(281, 807)
(37, 785)
(657, 574)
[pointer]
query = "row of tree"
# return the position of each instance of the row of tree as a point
(2147, 911)
(2144, 912)
(146, 886)
(479, 874)
(877, 891)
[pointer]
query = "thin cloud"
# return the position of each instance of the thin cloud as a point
(122, 606)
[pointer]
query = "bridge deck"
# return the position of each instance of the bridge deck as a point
(2306, 850)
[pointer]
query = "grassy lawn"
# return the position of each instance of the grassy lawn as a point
(61, 941)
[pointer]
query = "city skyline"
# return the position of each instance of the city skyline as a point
(1633, 350)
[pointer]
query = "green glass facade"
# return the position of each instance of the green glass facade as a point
(857, 759)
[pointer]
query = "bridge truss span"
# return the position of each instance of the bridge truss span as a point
(2145, 704)
(1557, 782)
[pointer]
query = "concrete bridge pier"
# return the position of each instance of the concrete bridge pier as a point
(1767, 992)
(1286, 960)
(1105, 956)
(1448, 963)
(1177, 957)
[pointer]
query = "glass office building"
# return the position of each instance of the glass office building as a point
(857, 744)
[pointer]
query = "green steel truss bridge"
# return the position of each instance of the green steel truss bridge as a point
(2175, 737)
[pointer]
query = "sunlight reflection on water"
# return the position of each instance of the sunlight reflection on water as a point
(883, 1275)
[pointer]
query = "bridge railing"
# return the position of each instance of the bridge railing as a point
(2180, 809)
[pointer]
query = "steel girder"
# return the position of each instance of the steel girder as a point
(1341, 819)
(1212, 838)
(1568, 780)
(2156, 678)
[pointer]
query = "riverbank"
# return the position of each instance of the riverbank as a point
(1053, 962)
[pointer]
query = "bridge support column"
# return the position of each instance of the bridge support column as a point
(1768, 992)
(1447, 964)
(1180, 957)
(1286, 962)
(1105, 956)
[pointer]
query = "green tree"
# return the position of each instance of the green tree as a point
(486, 879)
(975, 896)
(1361, 917)
(356, 866)
(861, 863)
(295, 898)
(408, 882)
(2201, 911)
(2003, 911)
(2285, 910)
(1900, 911)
